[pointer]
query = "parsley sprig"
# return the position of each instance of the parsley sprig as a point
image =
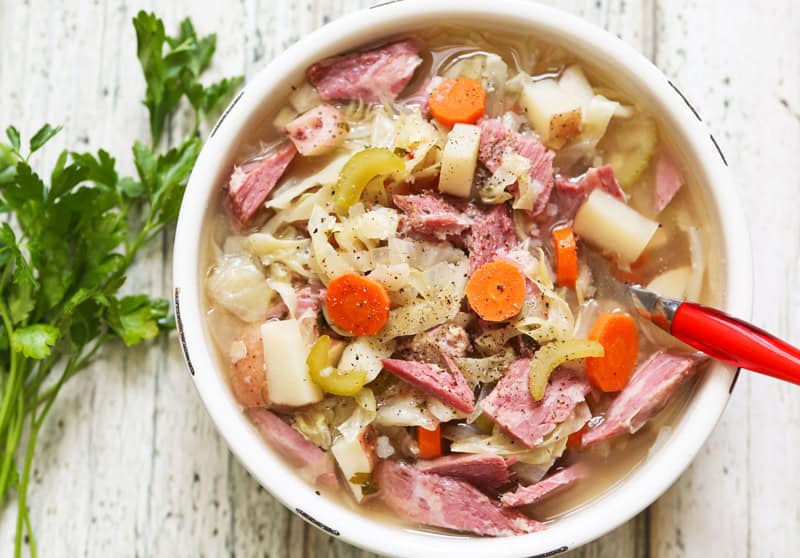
(69, 239)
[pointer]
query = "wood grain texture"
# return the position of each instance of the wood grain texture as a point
(129, 463)
(738, 498)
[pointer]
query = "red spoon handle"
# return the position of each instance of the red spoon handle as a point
(731, 340)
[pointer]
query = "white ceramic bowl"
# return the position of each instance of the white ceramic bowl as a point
(247, 115)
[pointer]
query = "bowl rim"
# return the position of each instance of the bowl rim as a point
(619, 503)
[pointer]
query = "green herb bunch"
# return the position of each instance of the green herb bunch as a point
(69, 238)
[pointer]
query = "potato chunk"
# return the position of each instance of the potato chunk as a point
(459, 158)
(288, 381)
(614, 227)
(552, 111)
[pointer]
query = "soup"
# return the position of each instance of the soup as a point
(416, 281)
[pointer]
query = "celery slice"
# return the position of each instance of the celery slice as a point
(328, 378)
(628, 146)
(360, 169)
(554, 354)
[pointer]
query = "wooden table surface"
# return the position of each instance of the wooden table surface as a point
(130, 464)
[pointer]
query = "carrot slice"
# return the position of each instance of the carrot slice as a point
(457, 100)
(566, 257)
(575, 440)
(616, 332)
(634, 275)
(357, 304)
(496, 291)
(430, 442)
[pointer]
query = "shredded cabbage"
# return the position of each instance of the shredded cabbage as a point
(547, 317)
(383, 130)
(294, 253)
(239, 286)
(304, 97)
(493, 341)
(406, 409)
(280, 281)
(366, 409)
(443, 412)
(319, 422)
(528, 473)
(487, 369)
(366, 353)
(443, 286)
(552, 447)
(514, 168)
(329, 262)
(283, 196)
(397, 279)
(423, 255)
(493, 191)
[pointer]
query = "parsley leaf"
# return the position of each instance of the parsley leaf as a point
(172, 67)
(34, 341)
(137, 318)
(208, 99)
(13, 136)
(42, 136)
(20, 299)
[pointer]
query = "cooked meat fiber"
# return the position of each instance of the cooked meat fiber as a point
(313, 463)
(497, 139)
(448, 387)
(484, 470)
(648, 392)
(668, 180)
(431, 215)
(250, 184)
(492, 231)
(512, 407)
(429, 346)
(309, 300)
(604, 179)
(317, 131)
(446, 502)
(372, 75)
(569, 194)
(555, 483)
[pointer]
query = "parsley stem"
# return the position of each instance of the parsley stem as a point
(10, 389)
(12, 440)
(74, 366)
(4, 278)
(23, 519)
(43, 370)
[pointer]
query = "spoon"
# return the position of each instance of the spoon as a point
(719, 335)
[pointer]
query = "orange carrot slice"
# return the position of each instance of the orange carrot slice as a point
(430, 442)
(566, 257)
(357, 304)
(457, 100)
(634, 274)
(616, 332)
(574, 440)
(496, 291)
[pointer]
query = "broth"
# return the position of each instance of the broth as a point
(610, 464)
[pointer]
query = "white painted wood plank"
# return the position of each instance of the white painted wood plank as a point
(738, 497)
